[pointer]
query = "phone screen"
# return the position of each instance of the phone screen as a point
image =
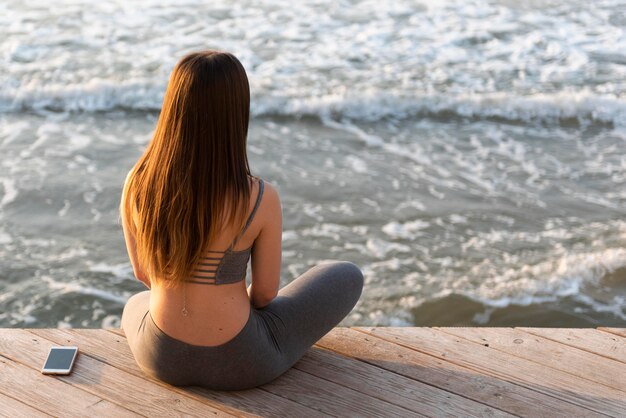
(60, 358)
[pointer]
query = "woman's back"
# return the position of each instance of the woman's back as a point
(214, 313)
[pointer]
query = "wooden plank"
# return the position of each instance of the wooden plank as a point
(50, 393)
(116, 331)
(391, 387)
(617, 331)
(551, 354)
(489, 361)
(257, 402)
(15, 409)
(113, 349)
(381, 372)
(331, 398)
(451, 377)
(107, 382)
(588, 339)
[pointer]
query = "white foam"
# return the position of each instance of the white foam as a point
(38, 242)
(532, 64)
(5, 238)
(11, 131)
(408, 230)
(582, 106)
(66, 206)
(289, 235)
(412, 204)
(328, 230)
(548, 281)
(70, 253)
(380, 248)
(356, 164)
(10, 191)
(111, 321)
(345, 125)
(458, 219)
(65, 288)
(122, 271)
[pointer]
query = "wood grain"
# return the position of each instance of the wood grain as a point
(439, 372)
(489, 361)
(53, 394)
(106, 382)
(588, 339)
(331, 398)
(15, 409)
(549, 353)
(617, 331)
(358, 371)
(389, 386)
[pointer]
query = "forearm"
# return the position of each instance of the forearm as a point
(255, 300)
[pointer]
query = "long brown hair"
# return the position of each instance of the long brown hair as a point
(175, 194)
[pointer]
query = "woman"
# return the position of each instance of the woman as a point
(192, 216)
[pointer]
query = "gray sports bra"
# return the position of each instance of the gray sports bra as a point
(231, 266)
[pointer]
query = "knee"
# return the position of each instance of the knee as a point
(350, 274)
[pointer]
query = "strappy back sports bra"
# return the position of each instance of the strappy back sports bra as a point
(231, 266)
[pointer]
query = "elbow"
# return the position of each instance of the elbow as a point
(262, 301)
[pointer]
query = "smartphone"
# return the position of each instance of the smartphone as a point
(60, 360)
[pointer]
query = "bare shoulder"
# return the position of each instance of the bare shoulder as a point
(270, 191)
(270, 204)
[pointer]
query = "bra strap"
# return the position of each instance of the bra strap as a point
(249, 221)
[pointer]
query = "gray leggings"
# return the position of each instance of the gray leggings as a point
(274, 338)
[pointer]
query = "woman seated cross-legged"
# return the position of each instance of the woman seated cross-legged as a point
(193, 216)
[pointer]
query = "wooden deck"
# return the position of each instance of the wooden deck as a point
(357, 371)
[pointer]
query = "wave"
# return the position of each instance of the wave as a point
(62, 288)
(566, 312)
(574, 276)
(583, 107)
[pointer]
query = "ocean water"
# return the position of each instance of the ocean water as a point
(469, 156)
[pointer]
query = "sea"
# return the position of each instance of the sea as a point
(469, 156)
